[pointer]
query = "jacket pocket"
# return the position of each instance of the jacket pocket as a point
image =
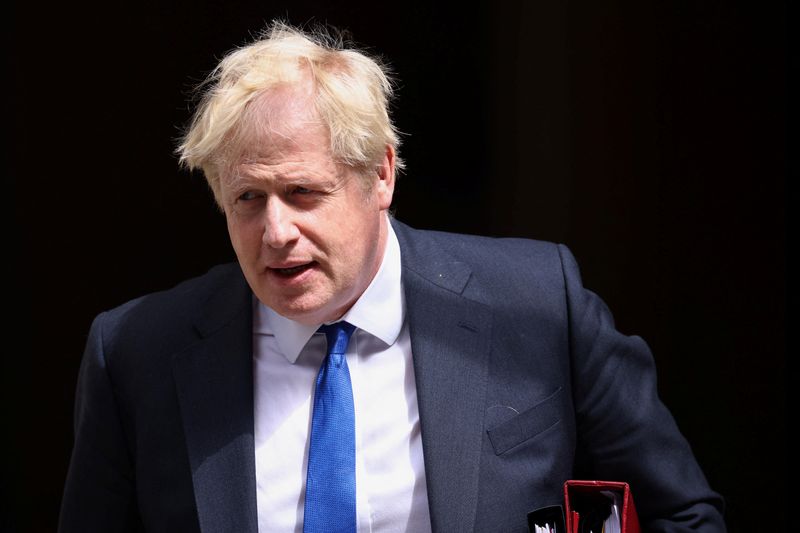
(526, 425)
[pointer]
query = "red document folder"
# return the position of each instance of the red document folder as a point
(581, 497)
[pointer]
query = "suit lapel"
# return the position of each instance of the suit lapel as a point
(214, 381)
(450, 341)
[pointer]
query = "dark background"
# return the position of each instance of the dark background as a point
(649, 136)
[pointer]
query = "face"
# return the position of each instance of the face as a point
(309, 233)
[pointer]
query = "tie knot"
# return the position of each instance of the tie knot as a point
(338, 335)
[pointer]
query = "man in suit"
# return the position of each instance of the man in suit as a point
(480, 374)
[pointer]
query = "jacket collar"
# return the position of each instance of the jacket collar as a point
(450, 341)
(214, 382)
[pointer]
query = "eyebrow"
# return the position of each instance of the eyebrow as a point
(242, 181)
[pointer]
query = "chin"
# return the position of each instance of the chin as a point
(310, 307)
(303, 312)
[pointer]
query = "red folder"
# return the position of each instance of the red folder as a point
(581, 496)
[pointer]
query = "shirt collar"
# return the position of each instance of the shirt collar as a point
(379, 310)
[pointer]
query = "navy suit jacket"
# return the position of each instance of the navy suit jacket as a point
(522, 381)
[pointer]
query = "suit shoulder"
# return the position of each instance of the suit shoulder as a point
(174, 312)
(502, 271)
(184, 292)
(503, 245)
(481, 250)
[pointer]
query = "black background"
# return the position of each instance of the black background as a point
(649, 136)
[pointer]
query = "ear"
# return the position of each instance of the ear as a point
(384, 189)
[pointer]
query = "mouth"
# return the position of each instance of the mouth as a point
(291, 272)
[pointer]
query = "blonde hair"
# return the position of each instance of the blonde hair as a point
(350, 90)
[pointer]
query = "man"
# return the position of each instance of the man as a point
(479, 374)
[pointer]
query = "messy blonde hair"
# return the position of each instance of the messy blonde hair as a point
(350, 90)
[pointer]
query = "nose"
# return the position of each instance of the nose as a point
(279, 224)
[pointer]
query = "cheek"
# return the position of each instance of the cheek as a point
(358, 241)
(245, 238)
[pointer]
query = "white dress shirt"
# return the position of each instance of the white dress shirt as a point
(390, 473)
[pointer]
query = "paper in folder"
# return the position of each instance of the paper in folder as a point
(589, 507)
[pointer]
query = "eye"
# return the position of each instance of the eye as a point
(249, 202)
(249, 196)
(301, 190)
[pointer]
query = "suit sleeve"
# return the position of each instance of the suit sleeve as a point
(99, 493)
(624, 430)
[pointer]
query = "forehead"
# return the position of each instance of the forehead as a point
(282, 117)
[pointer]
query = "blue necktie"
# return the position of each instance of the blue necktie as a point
(331, 478)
